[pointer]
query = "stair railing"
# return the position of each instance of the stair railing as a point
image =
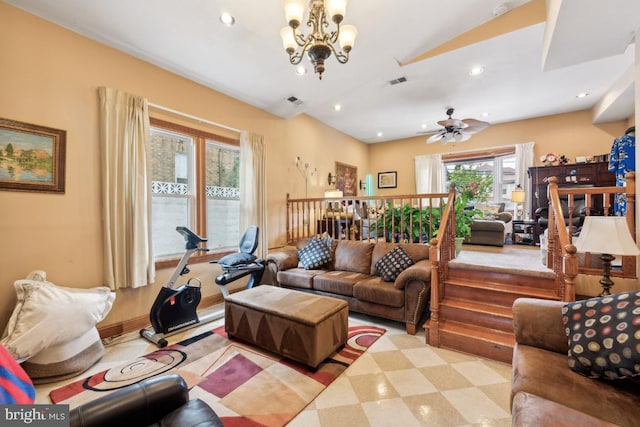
(441, 251)
(562, 256)
(410, 218)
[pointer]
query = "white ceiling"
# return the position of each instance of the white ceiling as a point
(535, 71)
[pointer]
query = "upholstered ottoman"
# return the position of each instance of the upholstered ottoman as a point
(304, 327)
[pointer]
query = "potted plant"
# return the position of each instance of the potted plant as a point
(407, 222)
(464, 218)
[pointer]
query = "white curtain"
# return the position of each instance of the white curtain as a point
(253, 187)
(126, 189)
(430, 177)
(524, 160)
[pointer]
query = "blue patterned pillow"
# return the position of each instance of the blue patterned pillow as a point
(604, 335)
(315, 254)
(393, 263)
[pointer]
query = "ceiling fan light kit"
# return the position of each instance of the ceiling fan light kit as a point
(456, 130)
(319, 44)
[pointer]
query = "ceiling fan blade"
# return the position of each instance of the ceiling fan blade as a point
(456, 123)
(428, 132)
(474, 126)
(435, 138)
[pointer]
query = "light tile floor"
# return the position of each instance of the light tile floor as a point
(399, 381)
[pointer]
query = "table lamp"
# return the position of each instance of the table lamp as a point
(518, 197)
(609, 236)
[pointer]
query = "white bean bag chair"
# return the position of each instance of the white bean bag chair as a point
(53, 327)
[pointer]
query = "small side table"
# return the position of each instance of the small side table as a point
(524, 232)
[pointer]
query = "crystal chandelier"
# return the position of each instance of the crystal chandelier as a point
(319, 44)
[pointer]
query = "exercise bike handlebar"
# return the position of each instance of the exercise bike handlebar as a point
(192, 239)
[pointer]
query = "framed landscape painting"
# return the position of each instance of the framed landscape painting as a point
(31, 157)
(387, 179)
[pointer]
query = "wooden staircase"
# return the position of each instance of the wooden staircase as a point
(475, 311)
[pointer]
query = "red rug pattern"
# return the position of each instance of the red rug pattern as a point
(245, 385)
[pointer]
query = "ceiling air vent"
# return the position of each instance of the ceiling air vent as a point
(294, 100)
(398, 81)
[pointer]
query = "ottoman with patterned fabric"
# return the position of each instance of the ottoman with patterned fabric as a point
(304, 327)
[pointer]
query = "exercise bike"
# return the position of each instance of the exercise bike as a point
(175, 309)
(242, 263)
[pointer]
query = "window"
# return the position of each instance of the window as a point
(488, 176)
(195, 183)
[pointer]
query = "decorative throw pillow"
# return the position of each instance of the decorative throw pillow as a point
(393, 263)
(604, 335)
(316, 254)
(46, 315)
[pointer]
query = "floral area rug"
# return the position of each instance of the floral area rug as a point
(245, 385)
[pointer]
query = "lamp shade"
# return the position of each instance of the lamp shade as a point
(336, 9)
(294, 11)
(518, 195)
(347, 37)
(606, 235)
(288, 39)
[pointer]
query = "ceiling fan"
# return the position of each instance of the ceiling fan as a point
(456, 130)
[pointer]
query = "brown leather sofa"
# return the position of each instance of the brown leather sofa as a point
(352, 276)
(156, 401)
(545, 391)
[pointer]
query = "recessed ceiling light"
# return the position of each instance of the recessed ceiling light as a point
(301, 70)
(379, 134)
(337, 107)
(227, 19)
(476, 71)
(424, 126)
(485, 114)
(582, 95)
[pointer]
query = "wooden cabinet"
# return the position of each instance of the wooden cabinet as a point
(576, 175)
(524, 232)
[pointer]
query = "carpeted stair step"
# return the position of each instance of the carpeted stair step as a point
(494, 293)
(489, 343)
(536, 279)
(478, 313)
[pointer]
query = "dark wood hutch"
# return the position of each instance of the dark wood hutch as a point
(594, 174)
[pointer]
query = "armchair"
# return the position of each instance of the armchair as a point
(578, 212)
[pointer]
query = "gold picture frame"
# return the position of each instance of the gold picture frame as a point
(347, 179)
(32, 157)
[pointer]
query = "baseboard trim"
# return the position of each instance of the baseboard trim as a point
(142, 322)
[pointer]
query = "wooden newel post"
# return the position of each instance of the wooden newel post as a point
(433, 338)
(570, 273)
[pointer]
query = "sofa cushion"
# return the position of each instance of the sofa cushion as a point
(393, 263)
(354, 256)
(316, 254)
(377, 291)
(338, 282)
(298, 277)
(604, 337)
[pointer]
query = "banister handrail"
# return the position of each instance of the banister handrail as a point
(562, 255)
(442, 251)
(405, 217)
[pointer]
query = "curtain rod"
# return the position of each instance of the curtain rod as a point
(189, 116)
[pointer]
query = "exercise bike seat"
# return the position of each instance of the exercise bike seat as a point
(247, 246)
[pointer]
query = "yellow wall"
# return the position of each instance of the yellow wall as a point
(571, 134)
(49, 76)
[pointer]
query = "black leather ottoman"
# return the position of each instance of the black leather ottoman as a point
(156, 401)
